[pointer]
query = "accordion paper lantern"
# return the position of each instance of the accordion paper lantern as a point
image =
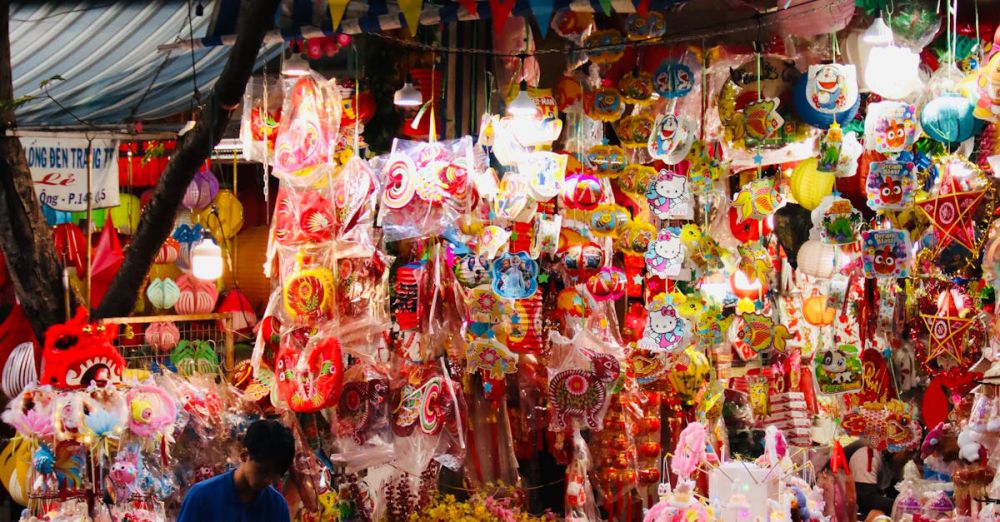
(163, 293)
(201, 191)
(196, 296)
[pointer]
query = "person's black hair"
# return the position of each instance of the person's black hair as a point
(270, 442)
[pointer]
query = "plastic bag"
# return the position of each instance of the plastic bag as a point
(581, 373)
(304, 148)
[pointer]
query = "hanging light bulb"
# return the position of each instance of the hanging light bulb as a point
(891, 71)
(522, 104)
(295, 65)
(206, 260)
(408, 95)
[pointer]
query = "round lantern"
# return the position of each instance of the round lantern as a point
(19, 370)
(820, 260)
(247, 265)
(608, 284)
(582, 192)
(100, 216)
(162, 293)
(745, 287)
(162, 336)
(201, 191)
(949, 119)
(126, 215)
(811, 94)
(196, 296)
(71, 246)
(224, 218)
(168, 252)
(809, 185)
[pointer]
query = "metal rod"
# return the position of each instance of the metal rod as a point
(90, 222)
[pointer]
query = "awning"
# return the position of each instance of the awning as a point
(107, 53)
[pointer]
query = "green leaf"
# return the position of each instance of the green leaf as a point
(53, 79)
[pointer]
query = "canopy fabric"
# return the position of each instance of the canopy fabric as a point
(107, 53)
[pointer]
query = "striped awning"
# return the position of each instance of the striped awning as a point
(107, 53)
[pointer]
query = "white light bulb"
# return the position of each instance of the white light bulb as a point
(522, 104)
(206, 260)
(295, 65)
(408, 96)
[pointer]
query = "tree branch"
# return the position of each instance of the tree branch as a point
(157, 220)
(24, 236)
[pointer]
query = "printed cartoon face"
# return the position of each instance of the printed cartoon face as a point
(669, 249)
(668, 127)
(835, 362)
(828, 79)
(884, 261)
(895, 135)
(663, 320)
(892, 192)
(671, 188)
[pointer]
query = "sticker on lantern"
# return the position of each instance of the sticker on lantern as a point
(885, 253)
(608, 160)
(603, 104)
(673, 79)
(832, 87)
(635, 237)
(515, 276)
(668, 196)
(837, 221)
(544, 172)
(666, 330)
(640, 27)
(607, 219)
(634, 131)
(838, 370)
(891, 184)
(665, 256)
(307, 290)
(636, 88)
(671, 138)
(582, 394)
(891, 126)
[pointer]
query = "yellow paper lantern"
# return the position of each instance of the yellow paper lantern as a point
(15, 465)
(248, 263)
(224, 217)
(126, 215)
(809, 185)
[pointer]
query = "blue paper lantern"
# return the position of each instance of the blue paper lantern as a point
(812, 117)
(949, 119)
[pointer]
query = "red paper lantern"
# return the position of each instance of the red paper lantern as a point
(745, 287)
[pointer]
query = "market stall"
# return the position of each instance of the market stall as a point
(618, 271)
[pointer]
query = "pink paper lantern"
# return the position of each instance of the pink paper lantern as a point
(201, 191)
(196, 296)
(162, 336)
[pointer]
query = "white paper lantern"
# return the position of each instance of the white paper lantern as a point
(820, 260)
(892, 72)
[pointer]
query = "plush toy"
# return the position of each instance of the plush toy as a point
(77, 354)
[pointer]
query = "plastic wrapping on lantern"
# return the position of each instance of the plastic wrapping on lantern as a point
(307, 135)
(426, 187)
(361, 422)
(307, 285)
(354, 193)
(261, 116)
(428, 418)
(581, 373)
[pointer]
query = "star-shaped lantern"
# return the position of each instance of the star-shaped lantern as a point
(951, 213)
(947, 329)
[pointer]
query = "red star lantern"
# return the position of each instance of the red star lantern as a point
(947, 330)
(951, 213)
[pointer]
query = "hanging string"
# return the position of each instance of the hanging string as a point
(835, 46)
(357, 99)
(979, 41)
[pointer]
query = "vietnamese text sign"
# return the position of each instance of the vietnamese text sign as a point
(59, 171)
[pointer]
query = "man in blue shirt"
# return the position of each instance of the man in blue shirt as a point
(245, 494)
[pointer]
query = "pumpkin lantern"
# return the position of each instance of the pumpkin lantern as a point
(815, 309)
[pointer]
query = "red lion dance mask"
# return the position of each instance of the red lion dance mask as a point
(78, 353)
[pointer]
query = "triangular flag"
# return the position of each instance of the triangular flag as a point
(542, 10)
(606, 7)
(643, 7)
(107, 260)
(500, 11)
(411, 12)
(470, 6)
(337, 8)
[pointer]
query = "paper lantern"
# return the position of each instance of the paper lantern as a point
(809, 185)
(162, 293)
(949, 119)
(224, 218)
(162, 336)
(201, 191)
(100, 215)
(196, 296)
(744, 287)
(71, 246)
(168, 252)
(892, 72)
(19, 370)
(126, 215)
(55, 217)
(826, 94)
(820, 260)
(236, 303)
(15, 468)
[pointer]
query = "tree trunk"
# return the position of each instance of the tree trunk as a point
(158, 217)
(24, 236)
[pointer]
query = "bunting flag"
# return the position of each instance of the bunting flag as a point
(470, 6)
(542, 9)
(501, 11)
(411, 12)
(606, 7)
(337, 8)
